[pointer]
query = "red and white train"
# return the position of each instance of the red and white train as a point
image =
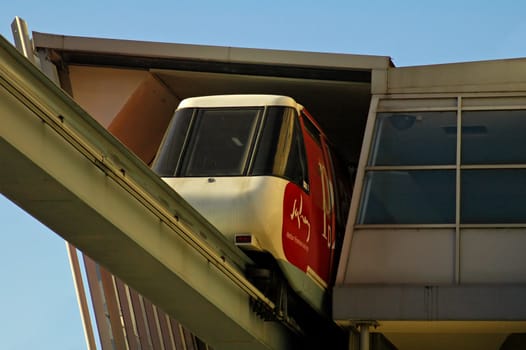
(260, 169)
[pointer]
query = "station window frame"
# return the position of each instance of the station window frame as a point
(459, 104)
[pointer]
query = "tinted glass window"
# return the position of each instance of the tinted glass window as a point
(493, 196)
(312, 129)
(275, 123)
(342, 181)
(426, 138)
(220, 142)
(408, 197)
(296, 169)
(493, 137)
(280, 149)
(169, 153)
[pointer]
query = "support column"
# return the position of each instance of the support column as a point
(364, 336)
(363, 340)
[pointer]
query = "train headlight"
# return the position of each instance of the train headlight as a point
(247, 241)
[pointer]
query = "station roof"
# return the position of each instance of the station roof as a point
(80, 48)
(504, 75)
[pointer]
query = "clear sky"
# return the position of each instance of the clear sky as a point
(38, 308)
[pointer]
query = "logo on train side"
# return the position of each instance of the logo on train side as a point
(296, 229)
(297, 213)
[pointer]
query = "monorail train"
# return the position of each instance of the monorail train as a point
(260, 169)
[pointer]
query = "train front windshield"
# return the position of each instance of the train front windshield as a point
(233, 142)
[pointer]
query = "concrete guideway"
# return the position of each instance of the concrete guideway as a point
(71, 174)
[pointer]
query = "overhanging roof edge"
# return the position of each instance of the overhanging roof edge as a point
(207, 52)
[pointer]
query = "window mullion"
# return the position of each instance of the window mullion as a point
(457, 195)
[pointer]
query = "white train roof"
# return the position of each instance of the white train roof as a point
(239, 101)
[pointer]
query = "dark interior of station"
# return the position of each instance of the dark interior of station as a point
(338, 98)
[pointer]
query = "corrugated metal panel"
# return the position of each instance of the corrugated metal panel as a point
(166, 332)
(151, 323)
(176, 329)
(112, 308)
(129, 325)
(98, 302)
(127, 320)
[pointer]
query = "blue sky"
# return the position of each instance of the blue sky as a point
(37, 301)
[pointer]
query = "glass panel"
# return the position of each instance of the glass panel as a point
(276, 123)
(312, 129)
(165, 162)
(425, 138)
(296, 169)
(409, 197)
(494, 137)
(280, 149)
(493, 196)
(220, 142)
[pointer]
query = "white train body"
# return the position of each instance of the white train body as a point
(239, 206)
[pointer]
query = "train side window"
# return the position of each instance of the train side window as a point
(280, 150)
(296, 169)
(342, 179)
(169, 154)
(311, 128)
